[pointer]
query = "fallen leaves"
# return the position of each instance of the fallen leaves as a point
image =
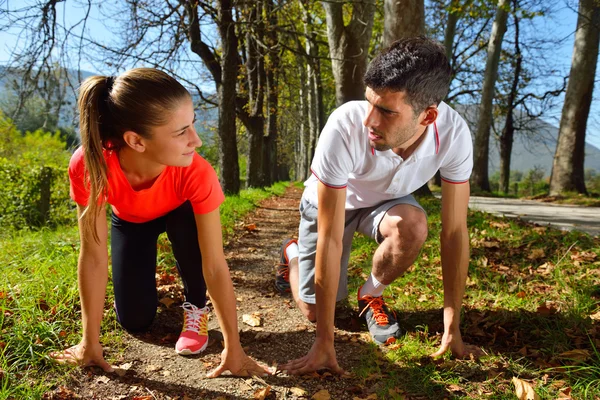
(536, 254)
(253, 319)
(577, 355)
(167, 301)
(299, 392)
(321, 395)
(261, 394)
(524, 390)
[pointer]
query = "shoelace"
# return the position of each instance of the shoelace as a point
(195, 319)
(376, 304)
(284, 271)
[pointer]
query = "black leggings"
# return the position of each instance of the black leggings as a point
(134, 264)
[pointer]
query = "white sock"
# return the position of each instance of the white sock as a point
(372, 287)
(292, 251)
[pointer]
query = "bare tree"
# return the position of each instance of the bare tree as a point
(567, 168)
(403, 18)
(349, 46)
(480, 177)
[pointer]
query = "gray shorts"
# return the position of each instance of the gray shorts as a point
(363, 220)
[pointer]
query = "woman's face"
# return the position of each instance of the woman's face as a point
(175, 142)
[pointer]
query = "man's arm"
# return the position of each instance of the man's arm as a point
(455, 264)
(330, 228)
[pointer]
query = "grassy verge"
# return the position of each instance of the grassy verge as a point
(532, 303)
(39, 301)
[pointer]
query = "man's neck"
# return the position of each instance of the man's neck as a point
(408, 148)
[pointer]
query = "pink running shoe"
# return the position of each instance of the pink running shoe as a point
(194, 335)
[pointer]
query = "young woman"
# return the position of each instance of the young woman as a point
(138, 155)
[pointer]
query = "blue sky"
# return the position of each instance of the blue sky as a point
(562, 25)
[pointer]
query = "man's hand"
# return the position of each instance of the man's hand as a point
(452, 340)
(239, 364)
(84, 354)
(320, 356)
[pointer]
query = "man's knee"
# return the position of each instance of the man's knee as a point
(411, 228)
(308, 310)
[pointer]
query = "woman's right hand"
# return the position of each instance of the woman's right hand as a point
(83, 354)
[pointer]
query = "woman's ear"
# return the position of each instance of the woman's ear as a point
(135, 141)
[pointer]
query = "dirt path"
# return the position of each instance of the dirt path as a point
(152, 370)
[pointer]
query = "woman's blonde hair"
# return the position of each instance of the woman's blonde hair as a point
(136, 100)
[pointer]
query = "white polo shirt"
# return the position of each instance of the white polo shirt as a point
(344, 158)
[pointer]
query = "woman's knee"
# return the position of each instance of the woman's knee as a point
(134, 319)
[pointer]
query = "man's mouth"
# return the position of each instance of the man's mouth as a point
(373, 136)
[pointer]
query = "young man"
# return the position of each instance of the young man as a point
(370, 157)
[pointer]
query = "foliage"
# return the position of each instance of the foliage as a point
(31, 165)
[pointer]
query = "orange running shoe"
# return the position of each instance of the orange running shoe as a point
(282, 275)
(382, 323)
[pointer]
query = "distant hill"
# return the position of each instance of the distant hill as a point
(207, 119)
(533, 147)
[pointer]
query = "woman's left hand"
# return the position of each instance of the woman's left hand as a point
(238, 363)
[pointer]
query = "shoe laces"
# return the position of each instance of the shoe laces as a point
(376, 304)
(195, 319)
(284, 271)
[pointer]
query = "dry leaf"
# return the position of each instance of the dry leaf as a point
(596, 316)
(579, 355)
(167, 301)
(296, 391)
(251, 227)
(321, 395)
(547, 308)
(536, 254)
(153, 368)
(103, 379)
(252, 319)
(260, 394)
(120, 371)
(524, 390)
(455, 388)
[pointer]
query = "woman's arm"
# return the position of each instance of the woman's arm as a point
(220, 288)
(92, 277)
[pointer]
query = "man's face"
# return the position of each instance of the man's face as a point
(391, 121)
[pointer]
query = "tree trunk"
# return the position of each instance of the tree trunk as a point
(270, 161)
(506, 139)
(302, 160)
(349, 47)
(567, 168)
(255, 72)
(228, 153)
(402, 18)
(480, 178)
(450, 33)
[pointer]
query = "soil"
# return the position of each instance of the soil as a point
(150, 368)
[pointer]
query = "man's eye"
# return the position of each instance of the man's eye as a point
(182, 132)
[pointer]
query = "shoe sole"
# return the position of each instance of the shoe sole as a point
(188, 352)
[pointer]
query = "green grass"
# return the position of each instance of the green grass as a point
(39, 300)
(529, 297)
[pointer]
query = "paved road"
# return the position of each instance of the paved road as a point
(586, 219)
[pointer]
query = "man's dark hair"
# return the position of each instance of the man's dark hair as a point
(417, 66)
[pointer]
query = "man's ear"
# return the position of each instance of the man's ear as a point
(429, 115)
(135, 141)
